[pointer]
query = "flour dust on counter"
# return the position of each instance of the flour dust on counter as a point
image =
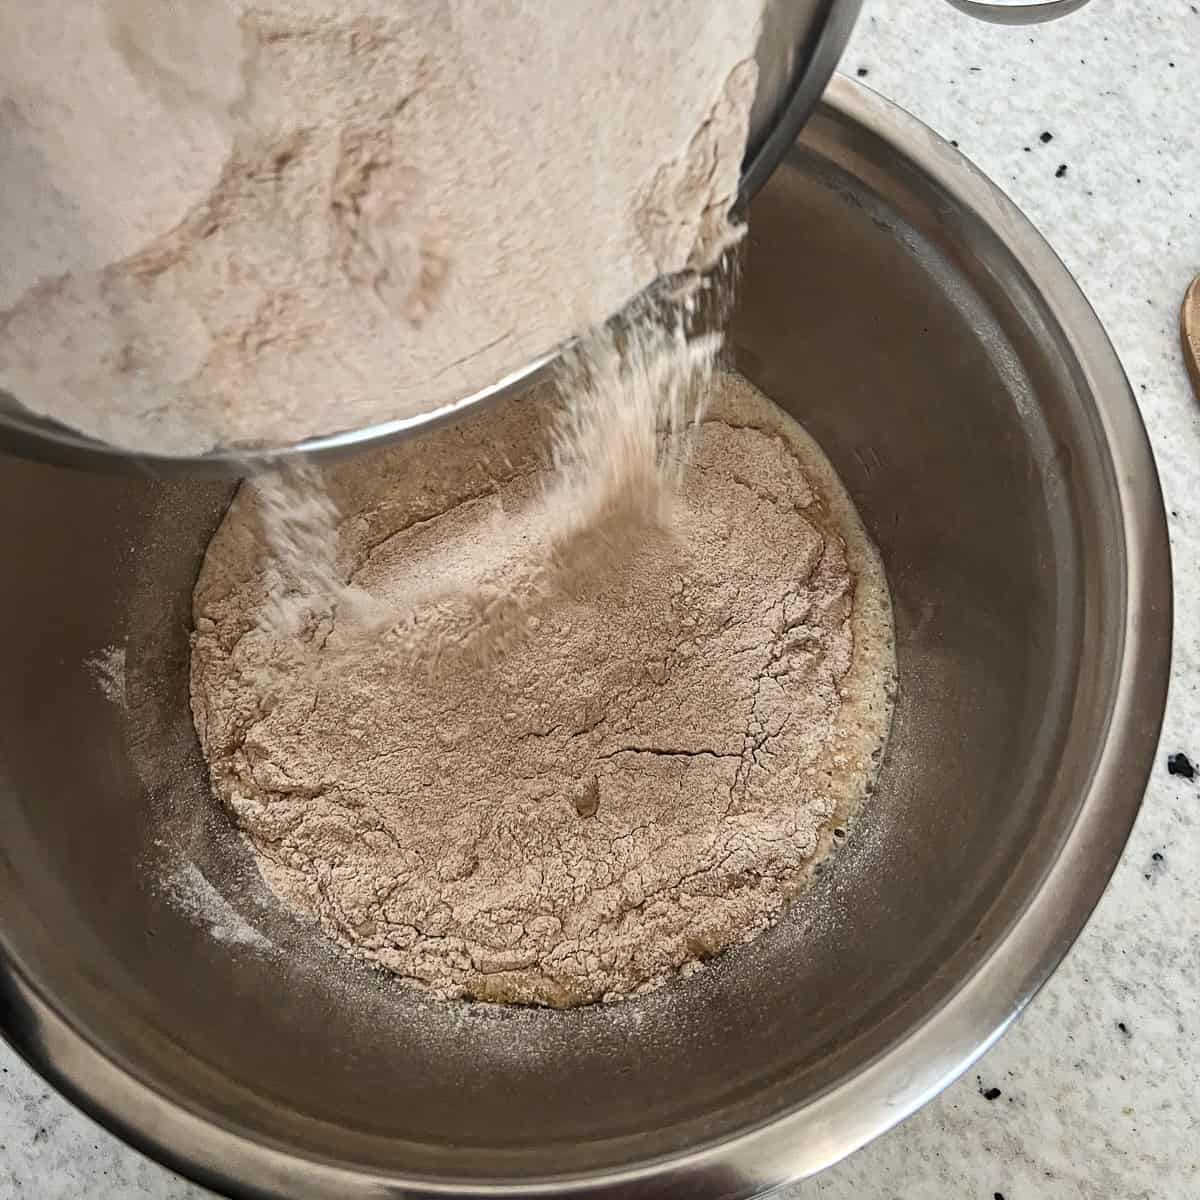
(641, 777)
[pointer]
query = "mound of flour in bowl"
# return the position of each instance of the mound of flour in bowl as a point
(643, 777)
(237, 222)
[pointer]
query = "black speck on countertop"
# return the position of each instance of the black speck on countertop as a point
(862, 72)
(954, 143)
(1046, 136)
(989, 1094)
(1124, 1028)
(997, 1196)
(1180, 764)
(1157, 856)
(1062, 170)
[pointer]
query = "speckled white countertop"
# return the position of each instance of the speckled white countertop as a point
(1093, 127)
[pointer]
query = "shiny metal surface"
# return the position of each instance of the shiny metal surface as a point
(1018, 12)
(898, 304)
(798, 50)
(800, 45)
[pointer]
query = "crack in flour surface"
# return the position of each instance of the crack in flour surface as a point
(641, 778)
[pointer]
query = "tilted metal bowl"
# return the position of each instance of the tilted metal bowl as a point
(799, 47)
(899, 305)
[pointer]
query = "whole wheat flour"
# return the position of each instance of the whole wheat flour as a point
(237, 222)
(630, 394)
(641, 779)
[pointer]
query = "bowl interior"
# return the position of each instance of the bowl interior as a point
(890, 323)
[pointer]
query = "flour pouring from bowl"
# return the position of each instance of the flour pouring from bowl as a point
(356, 221)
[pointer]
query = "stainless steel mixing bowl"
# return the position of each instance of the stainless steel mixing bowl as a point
(899, 305)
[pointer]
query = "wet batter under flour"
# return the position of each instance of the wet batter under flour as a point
(641, 780)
